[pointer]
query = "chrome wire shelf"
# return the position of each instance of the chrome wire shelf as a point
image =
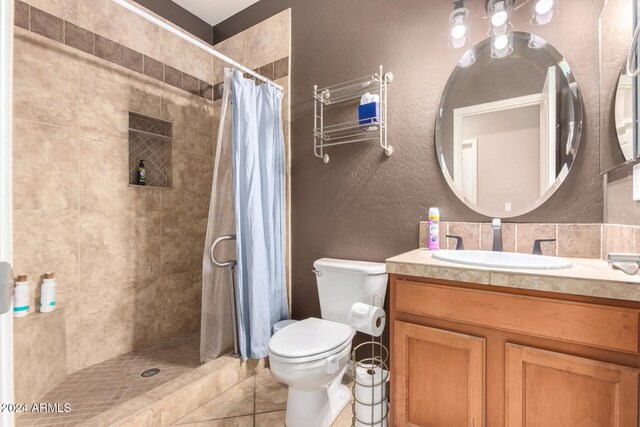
(352, 131)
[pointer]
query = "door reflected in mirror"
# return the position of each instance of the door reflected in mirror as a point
(624, 114)
(508, 128)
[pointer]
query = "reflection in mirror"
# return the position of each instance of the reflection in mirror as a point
(624, 114)
(508, 127)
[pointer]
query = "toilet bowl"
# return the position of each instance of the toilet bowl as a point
(311, 356)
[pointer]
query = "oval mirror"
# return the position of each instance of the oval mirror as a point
(509, 125)
(624, 114)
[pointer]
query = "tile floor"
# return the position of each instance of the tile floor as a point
(98, 388)
(258, 401)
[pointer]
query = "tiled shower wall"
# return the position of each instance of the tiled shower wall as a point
(572, 240)
(127, 259)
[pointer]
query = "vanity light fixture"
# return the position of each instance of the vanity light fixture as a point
(543, 11)
(459, 25)
(499, 14)
(498, 11)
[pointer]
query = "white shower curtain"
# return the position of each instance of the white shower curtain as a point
(259, 185)
(247, 200)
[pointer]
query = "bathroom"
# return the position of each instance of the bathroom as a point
(141, 329)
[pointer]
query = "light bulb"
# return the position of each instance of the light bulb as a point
(459, 31)
(543, 6)
(501, 42)
(500, 15)
(458, 28)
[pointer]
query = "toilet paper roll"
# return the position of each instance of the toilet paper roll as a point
(368, 378)
(368, 415)
(367, 318)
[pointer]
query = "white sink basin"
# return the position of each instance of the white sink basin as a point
(503, 260)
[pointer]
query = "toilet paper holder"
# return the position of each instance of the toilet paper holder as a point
(370, 381)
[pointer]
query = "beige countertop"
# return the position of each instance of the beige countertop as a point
(587, 277)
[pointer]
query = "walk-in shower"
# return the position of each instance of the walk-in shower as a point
(125, 337)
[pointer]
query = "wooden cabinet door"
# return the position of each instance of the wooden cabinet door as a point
(439, 378)
(545, 389)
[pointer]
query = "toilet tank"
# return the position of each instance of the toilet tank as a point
(342, 283)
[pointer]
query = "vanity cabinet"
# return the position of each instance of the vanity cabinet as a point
(478, 355)
(440, 376)
(545, 388)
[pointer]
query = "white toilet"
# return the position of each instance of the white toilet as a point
(311, 356)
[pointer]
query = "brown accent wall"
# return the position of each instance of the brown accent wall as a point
(618, 197)
(617, 29)
(363, 205)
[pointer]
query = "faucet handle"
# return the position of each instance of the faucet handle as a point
(459, 244)
(537, 249)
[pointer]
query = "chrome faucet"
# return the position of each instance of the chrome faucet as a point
(496, 224)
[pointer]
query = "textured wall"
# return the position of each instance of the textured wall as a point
(617, 28)
(363, 205)
(618, 197)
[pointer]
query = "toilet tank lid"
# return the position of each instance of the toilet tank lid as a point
(362, 267)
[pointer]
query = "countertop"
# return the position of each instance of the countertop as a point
(587, 277)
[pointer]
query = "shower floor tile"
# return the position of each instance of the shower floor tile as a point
(98, 388)
(258, 401)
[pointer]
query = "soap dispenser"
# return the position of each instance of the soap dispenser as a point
(140, 178)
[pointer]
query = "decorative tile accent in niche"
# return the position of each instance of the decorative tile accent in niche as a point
(150, 140)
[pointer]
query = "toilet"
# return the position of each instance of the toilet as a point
(312, 355)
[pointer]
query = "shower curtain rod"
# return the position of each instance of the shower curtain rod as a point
(194, 41)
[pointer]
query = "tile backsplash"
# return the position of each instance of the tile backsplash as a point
(572, 240)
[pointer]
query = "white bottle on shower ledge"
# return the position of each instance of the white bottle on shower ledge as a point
(48, 293)
(21, 297)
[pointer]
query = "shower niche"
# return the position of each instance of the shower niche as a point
(150, 142)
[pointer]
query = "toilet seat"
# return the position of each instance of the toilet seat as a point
(309, 340)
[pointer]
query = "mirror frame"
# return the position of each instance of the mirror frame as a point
(574, 138)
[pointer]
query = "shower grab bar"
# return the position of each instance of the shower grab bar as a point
(212, 251)
(230, 264)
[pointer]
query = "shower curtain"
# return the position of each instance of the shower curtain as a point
(258, 175)
(248, 198)
(216, 332)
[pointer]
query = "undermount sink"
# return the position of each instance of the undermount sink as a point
(503, 260)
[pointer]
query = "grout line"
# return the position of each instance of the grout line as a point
(255, 391)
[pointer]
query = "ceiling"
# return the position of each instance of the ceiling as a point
(214, 11)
